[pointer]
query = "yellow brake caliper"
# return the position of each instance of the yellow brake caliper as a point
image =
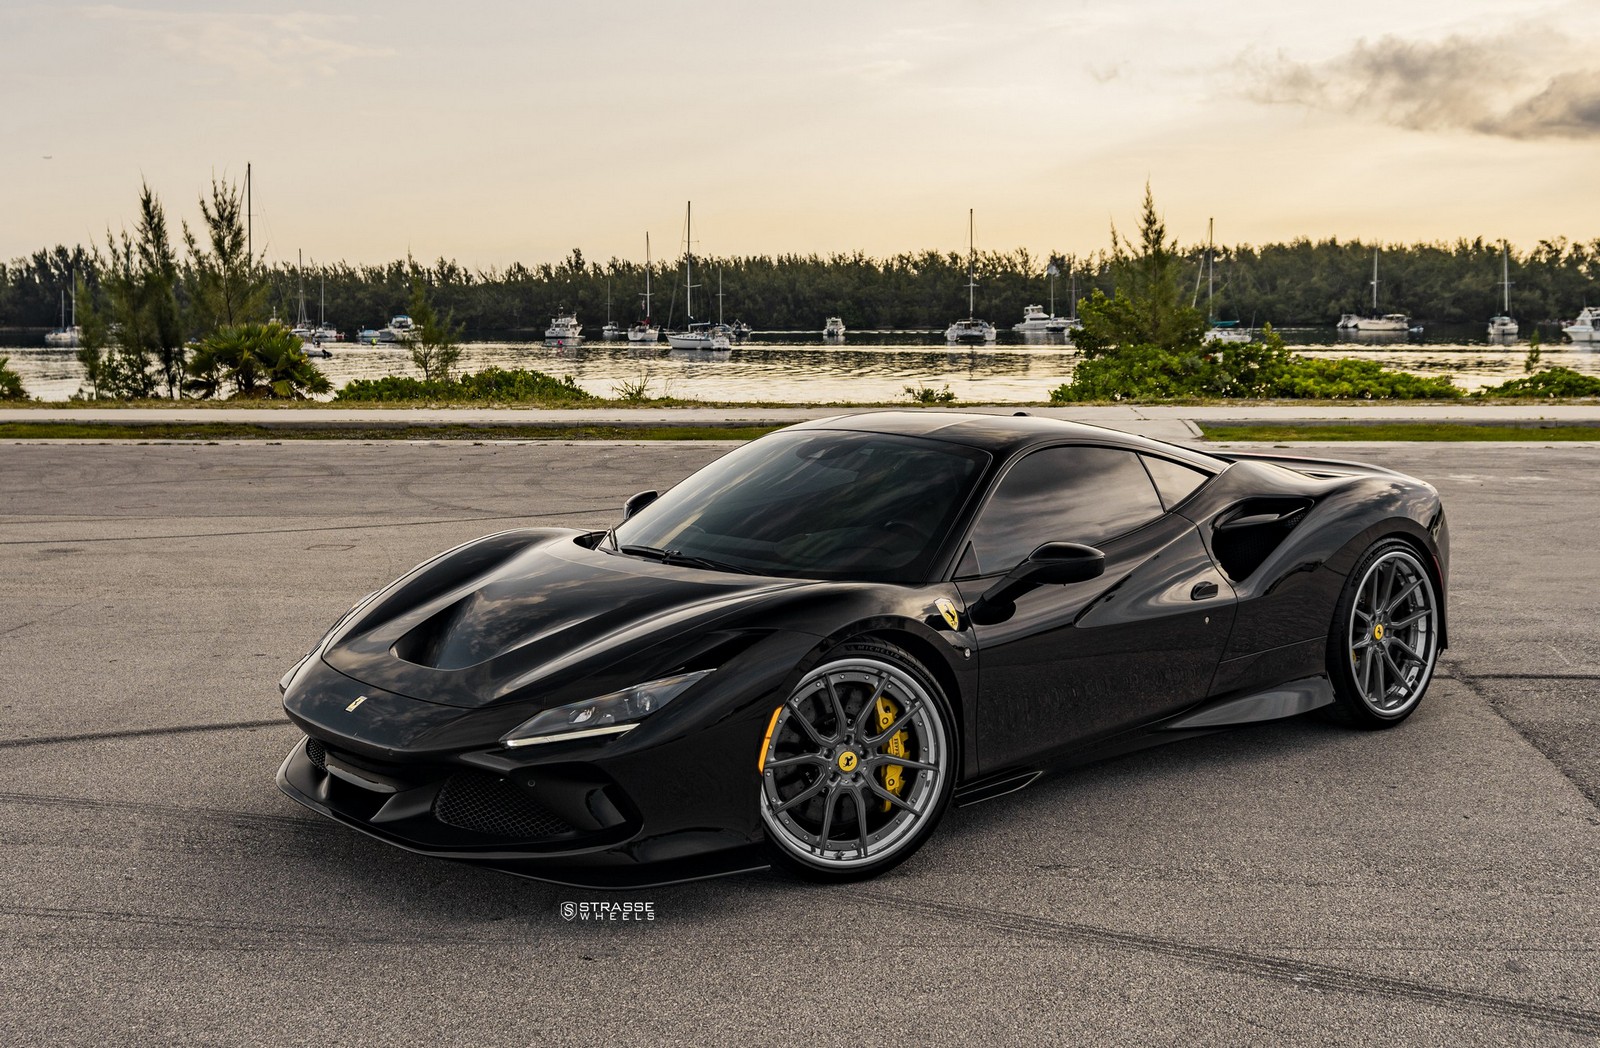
(893, 776)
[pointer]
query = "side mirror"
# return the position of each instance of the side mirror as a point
(1053, 564)
(638, 502)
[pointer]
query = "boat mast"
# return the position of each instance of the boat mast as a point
(1211, 266)
(972, 281)
(249, 220)
(688, 260)
(1505, 275)
(719, 298)
(647, 278)
(322, 299)
(1374, 281)
(301, 256)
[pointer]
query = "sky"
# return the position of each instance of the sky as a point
(500, 132)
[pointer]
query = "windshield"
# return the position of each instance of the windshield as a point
(814, 504)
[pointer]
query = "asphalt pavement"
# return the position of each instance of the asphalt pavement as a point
(1293, 883)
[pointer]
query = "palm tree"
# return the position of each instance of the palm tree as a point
(261, 361)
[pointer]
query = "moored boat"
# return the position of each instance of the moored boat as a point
(970, 331)
(1586, 328)
(564, 328)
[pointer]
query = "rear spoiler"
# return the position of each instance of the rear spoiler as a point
(1315, 467)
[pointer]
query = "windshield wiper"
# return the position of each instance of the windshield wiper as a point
(649, 552)
(672, 556)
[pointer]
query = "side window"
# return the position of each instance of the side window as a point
(1175, 482)
(1073, 494)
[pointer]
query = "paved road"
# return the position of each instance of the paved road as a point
(1293, 883)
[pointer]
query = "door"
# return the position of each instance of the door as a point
(1079, 662)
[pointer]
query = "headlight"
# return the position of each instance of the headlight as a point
(610, 714)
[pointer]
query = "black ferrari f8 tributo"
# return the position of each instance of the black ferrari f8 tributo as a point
(804, 652)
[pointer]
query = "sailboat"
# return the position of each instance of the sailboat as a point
(323, 332)
(1375, 323)
(1220, 330)
(66, 335)
(610, 332)
(698, 334)
(645, 330)
(970, 330)
(302, 323)
(1503, 326)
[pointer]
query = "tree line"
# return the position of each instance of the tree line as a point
(1302, 282)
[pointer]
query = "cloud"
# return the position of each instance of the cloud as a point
(284, 47)
(1490, 85)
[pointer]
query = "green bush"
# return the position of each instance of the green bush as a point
(1261, 369)
(1552, 382)
(10, 382)
(491, 384)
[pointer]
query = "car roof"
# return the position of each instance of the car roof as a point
(1004, 435)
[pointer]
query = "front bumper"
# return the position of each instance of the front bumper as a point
(675, 799)
(567, 827)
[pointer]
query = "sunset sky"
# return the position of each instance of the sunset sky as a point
(492, 132)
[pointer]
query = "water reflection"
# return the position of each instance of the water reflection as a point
(801, 367)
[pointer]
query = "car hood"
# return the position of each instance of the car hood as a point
(533, 614)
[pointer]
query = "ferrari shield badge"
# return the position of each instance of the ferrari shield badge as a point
(948, 609)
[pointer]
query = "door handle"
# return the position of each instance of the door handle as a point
(1203, 590)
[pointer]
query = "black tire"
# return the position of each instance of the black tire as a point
(838, 801)
(1384, 640)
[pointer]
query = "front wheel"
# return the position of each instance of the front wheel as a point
(1385, 636)
(858, 765)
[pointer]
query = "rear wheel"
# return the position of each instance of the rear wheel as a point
(1385, 637)
(858, 766)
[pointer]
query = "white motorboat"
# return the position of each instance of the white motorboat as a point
(1503, 325)
(645, 330)
(564, 328)
(698, 335)
(971, 330)
(1034, 318)
(401, 327)
(67, 334)
(1586, 328)
(833, 327)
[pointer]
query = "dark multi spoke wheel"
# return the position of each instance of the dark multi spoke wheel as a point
(858, 764)
(1385, 637)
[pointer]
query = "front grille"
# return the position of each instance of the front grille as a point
(318, 753)
(488, 804)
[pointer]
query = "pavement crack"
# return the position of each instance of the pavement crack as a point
(560, 513)
(1473, 682)
(1298, 973)
(135, 733)
(168, 811)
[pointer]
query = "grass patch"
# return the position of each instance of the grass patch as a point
(334, 430)
(1319, 432)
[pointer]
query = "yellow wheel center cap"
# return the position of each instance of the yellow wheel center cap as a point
(848, 760)
(1377, 632)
